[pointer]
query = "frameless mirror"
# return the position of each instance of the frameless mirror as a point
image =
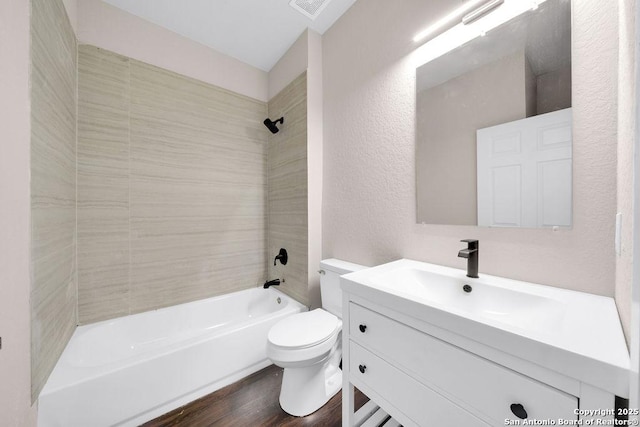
(493, 122)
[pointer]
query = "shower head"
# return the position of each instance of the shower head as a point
(271, 125)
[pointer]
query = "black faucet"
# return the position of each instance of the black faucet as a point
(471, 254)
(282, 256)
(274, 282)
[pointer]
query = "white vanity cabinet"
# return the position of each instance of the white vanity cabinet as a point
(426, 367)
(476, 385)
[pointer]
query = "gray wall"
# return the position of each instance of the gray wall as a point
(288, 186)
(171, 188)
(554, 90)
(53, 187)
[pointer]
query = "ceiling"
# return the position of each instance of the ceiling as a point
(257, 32)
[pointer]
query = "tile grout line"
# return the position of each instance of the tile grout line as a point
(267, 204)
(77, 168)
(77, 264)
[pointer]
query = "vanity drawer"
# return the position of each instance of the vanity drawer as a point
(416, 401)
(469, 380)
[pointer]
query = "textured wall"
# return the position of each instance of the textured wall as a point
(369, 174)
(171, 188)
(15, 217)
(626, 140)
(287, 172)
(53, 187)
(314, 165)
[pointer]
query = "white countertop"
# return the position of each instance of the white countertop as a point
(574, 333)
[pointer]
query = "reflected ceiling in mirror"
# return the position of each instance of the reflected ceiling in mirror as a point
(493, 122)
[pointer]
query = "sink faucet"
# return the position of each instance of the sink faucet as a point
(471, 254)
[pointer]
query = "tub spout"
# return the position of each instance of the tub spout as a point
(268, 283)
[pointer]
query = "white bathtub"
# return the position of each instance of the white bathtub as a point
(132, 369)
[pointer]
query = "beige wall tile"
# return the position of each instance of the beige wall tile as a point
(103, 185)
(53, 187)
(197, 186)
(172, 188)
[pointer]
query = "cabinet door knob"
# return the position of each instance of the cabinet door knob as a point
(362, 368)
(519, 411)
(362, 328)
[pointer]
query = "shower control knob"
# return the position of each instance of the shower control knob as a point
(362, 328)
(519, 411)
(362, 368)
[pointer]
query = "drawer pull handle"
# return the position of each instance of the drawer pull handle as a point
(362, 368)
(362, 328)
(518, 411)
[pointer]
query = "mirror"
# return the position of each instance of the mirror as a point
(493, 126)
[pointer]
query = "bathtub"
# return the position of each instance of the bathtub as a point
(126, 371)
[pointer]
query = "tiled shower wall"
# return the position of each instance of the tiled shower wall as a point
(172, 188)
(287, 171)
(53, 187)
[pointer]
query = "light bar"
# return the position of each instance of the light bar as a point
(481, 11)
(451, 17)
(461, 33)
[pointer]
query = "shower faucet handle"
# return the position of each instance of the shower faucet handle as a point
(282, 256)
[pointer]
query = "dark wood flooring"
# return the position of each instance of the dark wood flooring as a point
(252, 401)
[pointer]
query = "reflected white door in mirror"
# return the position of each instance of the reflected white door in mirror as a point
(518, 70)
(524, 172)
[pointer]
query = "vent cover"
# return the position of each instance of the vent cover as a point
(309, 8)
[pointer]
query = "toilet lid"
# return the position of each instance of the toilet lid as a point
(304, 329)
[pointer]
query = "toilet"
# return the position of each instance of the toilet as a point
(309, 346)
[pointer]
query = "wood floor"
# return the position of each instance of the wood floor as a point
(251, 402)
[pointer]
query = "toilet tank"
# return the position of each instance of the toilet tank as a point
(330, 289)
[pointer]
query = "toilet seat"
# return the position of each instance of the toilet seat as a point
(304, 330)
(303, 339)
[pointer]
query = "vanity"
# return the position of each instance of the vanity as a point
(433, 347)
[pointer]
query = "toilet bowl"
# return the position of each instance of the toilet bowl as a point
(309, 347)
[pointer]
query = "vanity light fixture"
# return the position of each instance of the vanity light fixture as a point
(474, 24)
(481, 11)
(451, 17)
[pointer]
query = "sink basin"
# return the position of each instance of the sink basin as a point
(559, 317)
(475, 298)
(563, 330)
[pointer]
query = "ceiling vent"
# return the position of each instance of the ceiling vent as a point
(309, 8)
